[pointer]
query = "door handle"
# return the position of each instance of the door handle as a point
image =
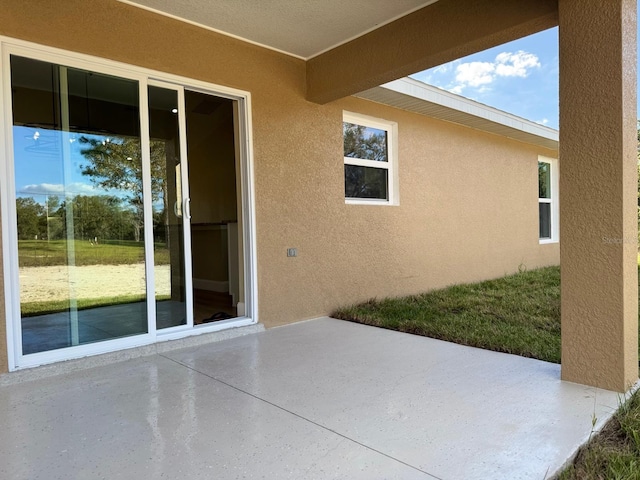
(187, 208)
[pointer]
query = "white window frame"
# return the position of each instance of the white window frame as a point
(16, 360)
(391, 165)
(553, 200)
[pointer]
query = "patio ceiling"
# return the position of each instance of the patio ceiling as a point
(302, 28)
(350, 47)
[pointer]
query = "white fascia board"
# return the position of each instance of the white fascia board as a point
(419, 97)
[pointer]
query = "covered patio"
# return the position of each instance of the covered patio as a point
(317, 399)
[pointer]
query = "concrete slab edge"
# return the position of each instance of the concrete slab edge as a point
(602, 421)
(88, 362)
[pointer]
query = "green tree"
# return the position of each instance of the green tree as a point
(360, 143)
(54, 221)
(30, 218)
(116, 163)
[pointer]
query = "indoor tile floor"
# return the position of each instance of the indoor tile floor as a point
(321, 399)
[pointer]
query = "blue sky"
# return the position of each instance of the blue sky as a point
(39, 170)
(519, 77)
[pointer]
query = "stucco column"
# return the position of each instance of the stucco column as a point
(598, 227)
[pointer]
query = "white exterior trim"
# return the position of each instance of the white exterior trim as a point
(145, 76)
(553, 201)
(418, 97)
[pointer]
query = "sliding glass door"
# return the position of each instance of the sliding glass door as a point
(82, 206)
(96, 211)
(170, 208)
(79, 205)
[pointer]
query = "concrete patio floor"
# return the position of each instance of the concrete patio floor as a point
(321, 399)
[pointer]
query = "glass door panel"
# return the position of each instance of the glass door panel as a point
(167, 205)
(78, 194)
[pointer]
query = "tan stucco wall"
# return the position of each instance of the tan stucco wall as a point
(598, 188)
(468, 211)
(468, 200)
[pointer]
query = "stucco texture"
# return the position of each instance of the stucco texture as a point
(598, 186)
(468, 200)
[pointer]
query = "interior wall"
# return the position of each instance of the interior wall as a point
(212, 184)
(468, 200)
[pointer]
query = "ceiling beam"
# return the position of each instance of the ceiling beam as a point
(439, 33)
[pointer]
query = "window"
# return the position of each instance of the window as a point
(548, 199)
(370, 173)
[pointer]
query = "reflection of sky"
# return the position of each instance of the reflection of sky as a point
(39, 164)
(369, 132)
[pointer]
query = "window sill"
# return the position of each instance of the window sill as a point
(364, 201)
(546, 241)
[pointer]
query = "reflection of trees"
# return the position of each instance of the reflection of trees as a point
(543, 179)
(116, 163)
(101, 216)
(358, 143)
(30, 219)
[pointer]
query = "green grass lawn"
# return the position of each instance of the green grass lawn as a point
(41, 253)
(517, 314)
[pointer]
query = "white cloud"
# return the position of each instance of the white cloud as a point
(77, 188)
(516, 64)
(445, 67)
(480, 75)
(544, 121)
(474, 74)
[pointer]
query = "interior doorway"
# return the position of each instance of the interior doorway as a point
(216, 242)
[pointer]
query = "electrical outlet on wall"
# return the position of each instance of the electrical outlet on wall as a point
(292, 252)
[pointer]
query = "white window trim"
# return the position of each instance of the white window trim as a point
(9, 46)
(555, 211)
(391, 165)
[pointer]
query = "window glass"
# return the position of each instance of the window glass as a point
(365, 182)
(545, 220)
(548, 199)
(370, 173)
(544, 180)
(363, 142)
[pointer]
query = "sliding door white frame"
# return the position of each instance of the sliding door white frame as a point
(145, 77)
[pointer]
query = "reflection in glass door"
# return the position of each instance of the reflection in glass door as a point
(79, 205)
(97, 197)
(169, 217)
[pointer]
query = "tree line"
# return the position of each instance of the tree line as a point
(112, 164)
(103, 217)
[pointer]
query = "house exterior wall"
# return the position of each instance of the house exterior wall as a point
(468, 205)
(599, 295)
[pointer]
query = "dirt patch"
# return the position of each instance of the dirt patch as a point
(89, 281)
